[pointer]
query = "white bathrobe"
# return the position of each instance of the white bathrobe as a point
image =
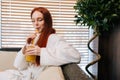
(56, 53)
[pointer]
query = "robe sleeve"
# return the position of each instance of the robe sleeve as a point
(58, 52)
(20, 61)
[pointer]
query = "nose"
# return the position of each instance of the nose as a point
(36, 22)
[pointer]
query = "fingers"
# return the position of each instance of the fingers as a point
(30, 38)
(24, 49)
(33, 51)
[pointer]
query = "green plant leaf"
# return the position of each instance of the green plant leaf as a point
(114, 15)
(105, 20)
(98, 14)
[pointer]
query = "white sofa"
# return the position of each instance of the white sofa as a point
(51, 73)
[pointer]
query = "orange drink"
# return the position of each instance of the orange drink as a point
(30, 58)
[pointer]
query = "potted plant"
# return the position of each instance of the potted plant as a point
(101, 16)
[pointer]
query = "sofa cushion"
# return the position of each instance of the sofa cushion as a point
(7, 59)
(51, 73)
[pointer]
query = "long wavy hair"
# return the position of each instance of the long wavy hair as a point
(47, 29)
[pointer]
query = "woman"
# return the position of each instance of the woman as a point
(49, 49)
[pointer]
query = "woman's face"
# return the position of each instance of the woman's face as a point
(37, 20)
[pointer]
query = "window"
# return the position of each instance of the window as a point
(16, 23)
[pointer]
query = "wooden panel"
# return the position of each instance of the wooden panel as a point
(109, 49)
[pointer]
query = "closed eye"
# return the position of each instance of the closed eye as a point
(39, 20)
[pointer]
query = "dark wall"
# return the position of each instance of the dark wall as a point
(109, 49)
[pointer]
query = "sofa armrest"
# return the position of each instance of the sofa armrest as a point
(74, 72)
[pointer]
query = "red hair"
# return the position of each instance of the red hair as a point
(47, 29)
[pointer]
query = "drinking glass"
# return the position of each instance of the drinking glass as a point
(30, 58)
